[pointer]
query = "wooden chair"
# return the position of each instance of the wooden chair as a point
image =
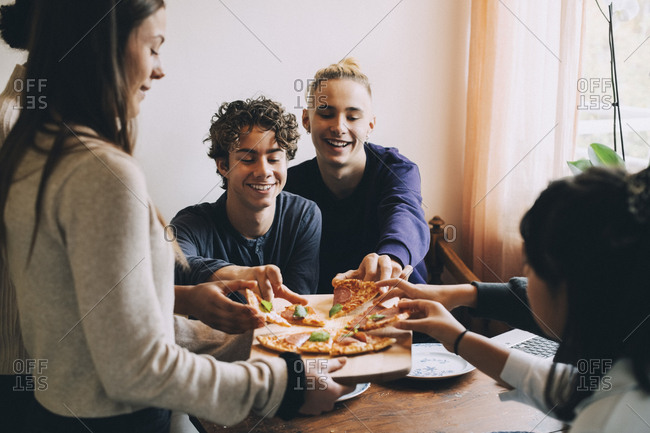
(441, 257)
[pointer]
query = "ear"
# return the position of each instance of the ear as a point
(223, 167)
(305, 120)
(372, 123)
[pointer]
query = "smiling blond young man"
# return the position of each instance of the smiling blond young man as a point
(254, 231)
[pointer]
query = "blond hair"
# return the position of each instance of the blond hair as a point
(347, 68)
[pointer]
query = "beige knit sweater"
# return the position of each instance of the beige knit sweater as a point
(96, 299)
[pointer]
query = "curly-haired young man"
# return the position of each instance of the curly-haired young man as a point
(254, 231)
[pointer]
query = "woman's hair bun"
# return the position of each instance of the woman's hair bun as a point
(15, 22)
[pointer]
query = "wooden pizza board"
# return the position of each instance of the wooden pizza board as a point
(388, 364)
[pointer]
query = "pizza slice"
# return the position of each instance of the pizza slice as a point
(351, 294)
(319, 341)
(377, 317)
(284, 342)
(302, 315)
(266, 308)
(349, 342)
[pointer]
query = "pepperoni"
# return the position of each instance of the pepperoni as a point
(389, 312)
(341, 295)
(346, 341)
(297, 339)
(361, 337)
(287, 314)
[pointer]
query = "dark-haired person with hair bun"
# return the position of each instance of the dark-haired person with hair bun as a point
(87, 251)
(369, 195)
(587, 245)
(14, 28)
(254, 231)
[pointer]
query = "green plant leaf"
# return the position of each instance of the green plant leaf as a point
(603, 156)
(335, 309)
(375, 317)
(300, 312)
(266, 306)
(321, 335)
(579, 166)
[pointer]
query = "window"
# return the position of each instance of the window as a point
(632, 46)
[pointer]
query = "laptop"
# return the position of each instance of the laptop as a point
(528, 342)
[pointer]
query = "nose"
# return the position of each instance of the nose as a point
(157, 71)
(262, 169)
(339, 125)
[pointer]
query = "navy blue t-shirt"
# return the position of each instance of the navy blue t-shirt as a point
(210, 242)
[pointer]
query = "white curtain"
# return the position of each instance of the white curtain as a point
(521, 121)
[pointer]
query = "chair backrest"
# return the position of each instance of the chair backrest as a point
(442, 256)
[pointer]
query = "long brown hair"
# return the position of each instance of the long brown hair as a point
(75, 75)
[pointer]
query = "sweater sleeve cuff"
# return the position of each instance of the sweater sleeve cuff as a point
(294, 396)
(397, 251)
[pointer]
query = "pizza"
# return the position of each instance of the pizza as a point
(319, 341)
(302, 315)
(266, 308)
(350, 342)
(350, 294)
(345, 342)
(377, 317)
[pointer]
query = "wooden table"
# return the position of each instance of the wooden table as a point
(464, 404)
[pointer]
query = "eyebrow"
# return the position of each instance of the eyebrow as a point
(329, 107)
(254, 151)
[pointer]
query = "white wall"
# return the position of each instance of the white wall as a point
(415, 57)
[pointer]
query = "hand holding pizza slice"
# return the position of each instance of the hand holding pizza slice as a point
(350, 295)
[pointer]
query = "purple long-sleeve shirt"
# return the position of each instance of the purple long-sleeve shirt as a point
(383, 215)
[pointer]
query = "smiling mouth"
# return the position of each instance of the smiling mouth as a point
(338, 143)
(261, 187)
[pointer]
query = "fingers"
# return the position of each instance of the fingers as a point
(369, 267)
(352, 273)
(387, 268)
(237, 285)
(291, 296)
(270, 279)
(336, 364)
(395, 284)
(228, 316)
(406, 272)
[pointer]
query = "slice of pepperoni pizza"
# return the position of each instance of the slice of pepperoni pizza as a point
(319, 341)
(302, 315)
(377, 317)
(352, 343)
(266, 308)
(351, 294)
(284, 342)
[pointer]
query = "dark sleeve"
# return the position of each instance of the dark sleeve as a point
(507, 302)
(301, 272)
(294, 396)
(404, 232)
(194, 236)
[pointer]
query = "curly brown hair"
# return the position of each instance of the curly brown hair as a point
(240, 117)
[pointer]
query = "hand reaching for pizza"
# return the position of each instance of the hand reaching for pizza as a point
(450, 296)
(208, 302)
(322, 396)
(431, 318)
(374, 267)
(269, 281)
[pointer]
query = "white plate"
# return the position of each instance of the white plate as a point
(359, 389)
(432, 361)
